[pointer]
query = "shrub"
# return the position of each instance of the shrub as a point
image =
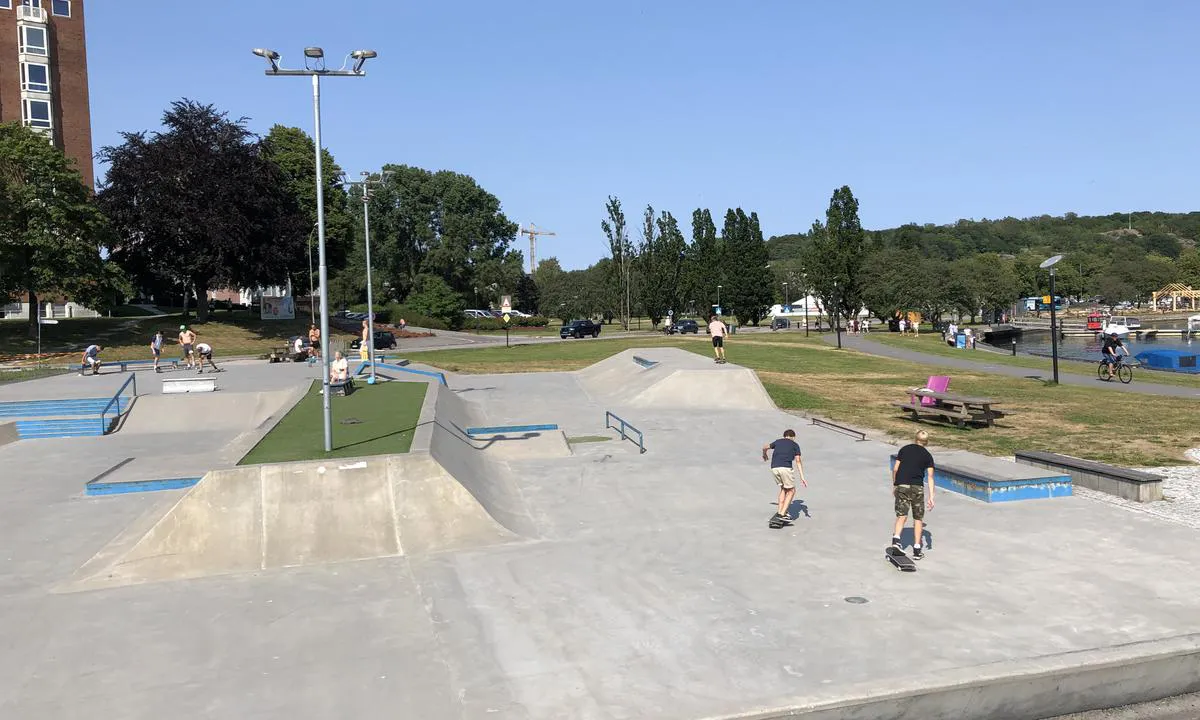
(431, 296)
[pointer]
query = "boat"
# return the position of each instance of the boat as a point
(1130, 322)
(1095, 321)
(1184, 361)
(1194, 323)
(1114, 324)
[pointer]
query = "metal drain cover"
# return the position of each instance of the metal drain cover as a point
(350, 421)
(856, 600)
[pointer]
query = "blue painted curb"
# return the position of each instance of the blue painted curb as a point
(120, 488)
(508, 428)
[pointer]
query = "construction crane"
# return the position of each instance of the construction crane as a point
(533, 232)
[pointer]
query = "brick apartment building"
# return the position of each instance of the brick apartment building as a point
(43, 74)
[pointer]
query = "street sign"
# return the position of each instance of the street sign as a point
(47, 321)
(506, 317)
(670, 313)
(506, 304)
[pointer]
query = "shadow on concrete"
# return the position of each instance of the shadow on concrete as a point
(907, 537)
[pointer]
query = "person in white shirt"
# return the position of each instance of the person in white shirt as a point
(718, 330)
(91, 359)
(339, 369)
(204, 352)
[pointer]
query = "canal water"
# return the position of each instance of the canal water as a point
(1037, 342)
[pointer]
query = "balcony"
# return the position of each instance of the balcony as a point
(25, 13)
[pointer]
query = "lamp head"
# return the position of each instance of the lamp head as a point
(361, 57)
(315, 53)
(269, 55)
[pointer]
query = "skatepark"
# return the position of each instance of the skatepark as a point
(562, 573)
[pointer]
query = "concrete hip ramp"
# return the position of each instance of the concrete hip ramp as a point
(189, 412)
(449, 493)
(672, 378)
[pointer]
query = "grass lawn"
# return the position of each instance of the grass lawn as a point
(386, 416)
(129, 338)
(932, 344)
(857, 389)
(12, 376)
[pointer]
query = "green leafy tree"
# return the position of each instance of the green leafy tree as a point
(703, 265)
(199, 203)
(526, 297)
(1189, 267)
(51, 231)
(748, 285)
(833, 259)
(434, 297)
(621, 251)
(660, 264)
(292, 151)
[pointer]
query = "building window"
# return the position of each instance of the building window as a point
(32, 3)
(5, 4)
(37, 113)
(35, 77)
(33, 40)
(61, 8)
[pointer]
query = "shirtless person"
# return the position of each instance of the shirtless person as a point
(314, 341)
(187, 339)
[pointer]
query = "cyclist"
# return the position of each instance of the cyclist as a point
(1110, 357)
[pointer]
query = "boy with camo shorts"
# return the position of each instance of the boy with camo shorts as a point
(912, 468)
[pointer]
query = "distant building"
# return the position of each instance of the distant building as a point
(43, 74)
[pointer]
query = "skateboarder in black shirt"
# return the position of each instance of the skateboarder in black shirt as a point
(911, 469)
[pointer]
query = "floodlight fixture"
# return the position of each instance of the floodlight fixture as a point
(314, 52)
(269, 55)
(1049, 262)
(361, 57)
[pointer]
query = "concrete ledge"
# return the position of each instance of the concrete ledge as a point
(8, 433)
(1122, 482)
(172, 385)
(994, 480)
(1041, 687)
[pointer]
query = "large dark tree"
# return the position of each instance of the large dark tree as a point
(833, 257)
(702, 268)
(292, 150)
(199, 203)
(50, 230)
(621, 251)
(749, 286)
(444, 224)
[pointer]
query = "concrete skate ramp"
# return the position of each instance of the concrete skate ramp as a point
(484, 473)
(191, 412)
(274, 516)
(678, 379)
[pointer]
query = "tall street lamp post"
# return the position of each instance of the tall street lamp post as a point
(366, 183)
(1049, 264)
(317, 56)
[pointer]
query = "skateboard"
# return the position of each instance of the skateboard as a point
(777, 522)
(899, 560)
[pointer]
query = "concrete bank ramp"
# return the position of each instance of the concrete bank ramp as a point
(448, 493)
(673, 378)
(262, 517)
(191, 412)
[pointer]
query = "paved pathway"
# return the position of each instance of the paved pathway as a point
(1066, 370)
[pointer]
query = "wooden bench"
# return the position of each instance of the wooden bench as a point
(200, 383)
(1122, 482)
(957, 409)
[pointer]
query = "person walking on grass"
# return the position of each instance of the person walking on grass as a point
(911, 470)
(785, 454)
(204, 352)
(156, 344)
(718, 330)
(187, 339)
(91, 359)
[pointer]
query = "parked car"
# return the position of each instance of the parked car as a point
(687, 326)
(579, 328)
(477, 313)
(384, 340)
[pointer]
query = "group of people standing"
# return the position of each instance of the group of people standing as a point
(195, 354)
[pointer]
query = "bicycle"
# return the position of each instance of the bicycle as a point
(1121, 370)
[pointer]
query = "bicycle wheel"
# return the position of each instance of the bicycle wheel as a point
(1099, 368)
(1125, 373)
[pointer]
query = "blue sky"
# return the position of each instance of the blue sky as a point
(931, 111)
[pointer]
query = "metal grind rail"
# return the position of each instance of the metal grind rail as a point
(622, 426)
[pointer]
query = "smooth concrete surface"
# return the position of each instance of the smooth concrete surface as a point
(639, 586)
(8, 433)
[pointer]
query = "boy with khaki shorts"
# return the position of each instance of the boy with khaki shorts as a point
(911, 471)
(785, 455)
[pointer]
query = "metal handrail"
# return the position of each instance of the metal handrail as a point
(116, 399)
(623, 426)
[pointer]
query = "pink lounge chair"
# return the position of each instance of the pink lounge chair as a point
(936, 383)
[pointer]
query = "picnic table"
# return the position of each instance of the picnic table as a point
(958, 409)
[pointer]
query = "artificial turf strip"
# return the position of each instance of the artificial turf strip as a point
(386, 415)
